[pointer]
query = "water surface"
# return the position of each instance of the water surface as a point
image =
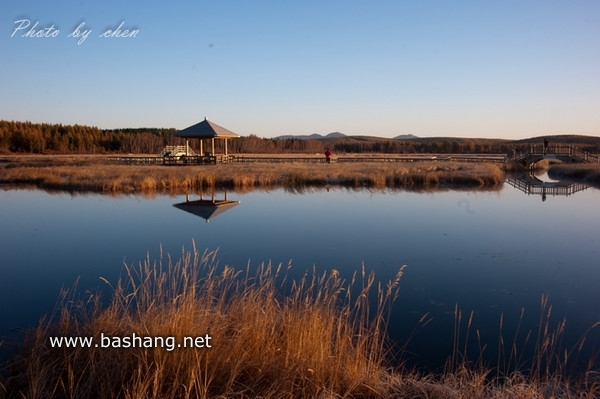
(490, 252)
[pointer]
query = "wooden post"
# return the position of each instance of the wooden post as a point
(213, 146)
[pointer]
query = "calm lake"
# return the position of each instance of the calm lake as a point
(490, 252)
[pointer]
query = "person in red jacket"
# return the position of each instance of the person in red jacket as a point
(327, 155)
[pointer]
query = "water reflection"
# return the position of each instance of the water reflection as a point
(490, 252)
(207, 208)
(543, 186)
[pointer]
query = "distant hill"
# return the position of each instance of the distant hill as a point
(406, 137)
(562, 139)
(314, 136)
(335, 135)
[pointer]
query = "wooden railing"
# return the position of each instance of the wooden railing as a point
(500, 158)
(169, 158)
(569, 151)
(177, 150)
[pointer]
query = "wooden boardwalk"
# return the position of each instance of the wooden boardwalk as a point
(267, 158)
(181, 155)
(169, 160)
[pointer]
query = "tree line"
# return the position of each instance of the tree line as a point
(412, 146)
(43, 138)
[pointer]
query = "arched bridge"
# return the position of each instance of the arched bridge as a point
(556, 153)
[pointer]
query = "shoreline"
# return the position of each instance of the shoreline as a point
(581, 173)
(84, 173)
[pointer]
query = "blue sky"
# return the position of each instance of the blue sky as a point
(502, 69)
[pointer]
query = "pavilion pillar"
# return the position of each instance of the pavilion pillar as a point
(201, 153)
(213, 146)
(225, 146)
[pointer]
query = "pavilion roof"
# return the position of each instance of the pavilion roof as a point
(206, 129)
(206, 209)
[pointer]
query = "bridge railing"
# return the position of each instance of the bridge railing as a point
(584, 156)
(558, 150)
(551, 149)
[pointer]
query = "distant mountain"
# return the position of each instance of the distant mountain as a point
(314, 136)
(406, 137)
(335, 135)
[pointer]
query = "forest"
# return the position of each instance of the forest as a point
(43, 138)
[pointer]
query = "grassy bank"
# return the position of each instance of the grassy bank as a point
(316, 338)
(587, 173)
(93, 174)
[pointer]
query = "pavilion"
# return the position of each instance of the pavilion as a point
(208, 130)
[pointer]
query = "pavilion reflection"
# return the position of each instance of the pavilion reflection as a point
(207, 208)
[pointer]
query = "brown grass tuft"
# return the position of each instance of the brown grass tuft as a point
(317, 340)
(149, 183)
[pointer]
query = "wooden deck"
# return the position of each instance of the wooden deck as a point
(168, 160)
(267, 158)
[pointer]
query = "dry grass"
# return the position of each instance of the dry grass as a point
(529, 363)
(89, 173)
(315, 337)
(319, 339)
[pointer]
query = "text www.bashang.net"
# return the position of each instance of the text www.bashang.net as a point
(132, 341)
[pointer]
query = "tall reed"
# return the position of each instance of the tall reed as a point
(321, 338)
(537, 359)
(316, 336)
